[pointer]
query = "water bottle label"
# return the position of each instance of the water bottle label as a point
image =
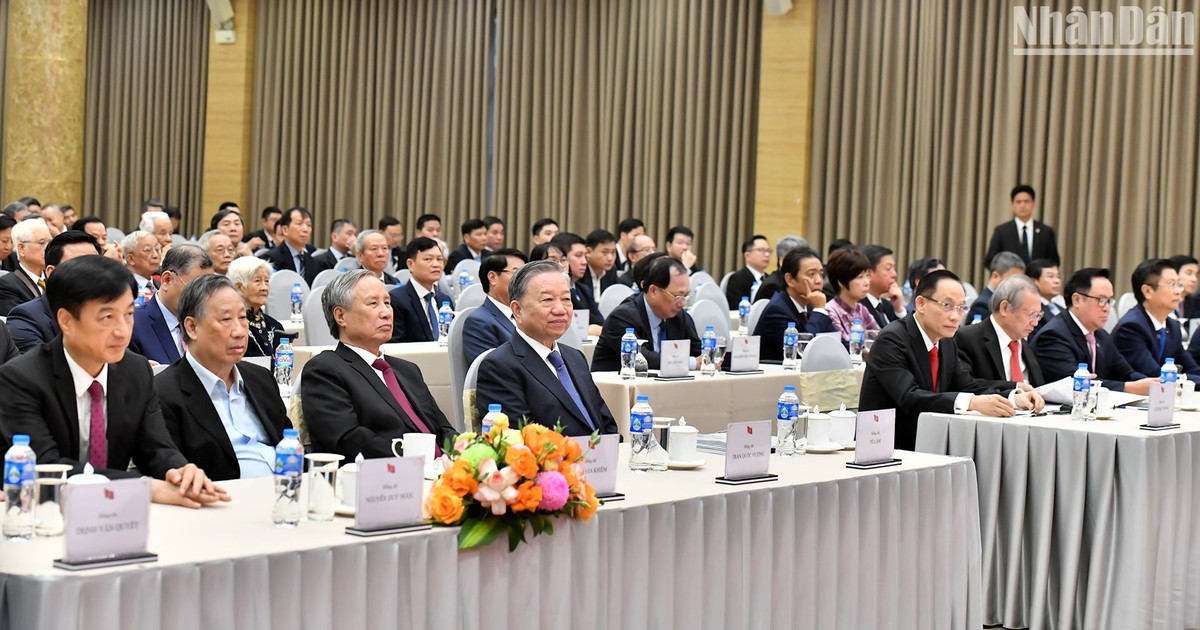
(790, 340)
(628, 346)
(287, 463)
(856, 336)
(639, 422)
(445, 319)
(709, 343)
(788, 411)
(1081, 384)
(1170, 376)
(18, 472)
(743, 310)
(283, 360)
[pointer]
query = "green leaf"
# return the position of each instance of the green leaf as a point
(548, 526)
(477, 532)
(516, 533)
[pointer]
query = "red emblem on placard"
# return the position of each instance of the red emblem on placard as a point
(391, 468)
(749, 429)
(876, 417)
(108, 494)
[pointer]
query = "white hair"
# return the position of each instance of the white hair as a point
(206, 237)
(129, 243)
(23, 231)
(242, 269)
(148, 219)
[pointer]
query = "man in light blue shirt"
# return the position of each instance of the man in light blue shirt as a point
(218, 409)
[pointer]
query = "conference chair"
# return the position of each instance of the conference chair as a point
(971, 293)
(458, 365)
(824, 353)
(349, 263)
(571, 338)
(612, 297)
(324, 278)
(467, 400)
(319, 252)
(402, 276)
(469, 266)
(471, 298)
(709, 313)
(1124, 304)
(316, 331)
(114, 235)
(725, 281)
(279, 299)
(756, 311)
(700, 277)
(712, 292)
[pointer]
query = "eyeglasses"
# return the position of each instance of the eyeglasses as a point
(1169, 286)
(679, 299)
(40, 243)
(761, 250)
(1033, 315)
(950, 308)
(1102, 301)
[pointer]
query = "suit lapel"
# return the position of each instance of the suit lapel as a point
(537, 368)
(916, 344)
(368, 372)
(200, 407)
(497, 315)
(418, 308)
(29, 283)
(159, 326)
(992, 344)
(65, 388)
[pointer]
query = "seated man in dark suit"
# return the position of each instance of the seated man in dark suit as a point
(627, 230)
(374, 255)
(773, 282)
(1077, 336)
(474, 245)
(998, 349)
(392, 230)
(914, 367)
(32, 323)
(295, 252)
(27, 281)
(756, 252)
(640, 247)
(657, 315)
(157, 332)
(801, 303)
(1023, 236)
(491, 325)
(885, 300)
(224, 414)
(415, 303)
(533, 376)
(1004, 264)
(265, 237)
(601, 255)
(1046, 276)
(356, 400)
(342, 235)
(1189, 307)
(1147, 334)
(83, 398)
(678, 244)
(582, 298)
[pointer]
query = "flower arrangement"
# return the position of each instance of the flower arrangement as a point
(507, 478)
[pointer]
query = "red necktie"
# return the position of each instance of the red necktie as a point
(393, 386)
(97, 442)
(933, 365)
(1014, 361)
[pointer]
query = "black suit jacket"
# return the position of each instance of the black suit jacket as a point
(582, 298)
(607, 280)
(409, 322)
(281, 258)
(1138, 342)
(632, 314)
(517, 379)
(898, 376)
(1061, 347)
(40, 402)
(16, 288)
(774, 320)
(327, 260)
(10, 262)
(1005, 238)
(772, 283)
(462, 253)
(739, 286)
(246, 238)
(350, 411)
(981, 306)
(884, 314)
(979, 349)
(194, 425)
(32, 324)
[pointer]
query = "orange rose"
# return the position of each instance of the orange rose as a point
(529, 495)
(586, 513)
(460, 479)
(522, 461)
(574, 451)
(445, 506)
(568, 473)
(543, 442)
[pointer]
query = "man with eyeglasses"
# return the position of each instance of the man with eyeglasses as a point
(1147, 334)
(28, 280)
(999, 348)
(640, 247)
(142, 257)
(492, 324)
(657, 315)
(914, 366)
(1077, 336)
(219, 248)
(801, 302)
(1004, 264)
(756, 252)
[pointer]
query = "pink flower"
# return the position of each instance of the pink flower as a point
(496, 489)
(554, 490)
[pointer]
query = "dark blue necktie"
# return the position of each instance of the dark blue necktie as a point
(1162, 342)
(565, 378)
(433, 316)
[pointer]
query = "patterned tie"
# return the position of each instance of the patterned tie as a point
(393, 386)
(41, 283)
(1091, 342)
(1014, 361)
(560, 367)
(433, 316)
(933, 365)
(97, 442)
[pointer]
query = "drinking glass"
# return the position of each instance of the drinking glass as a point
(48, 515)
(320, 479)
(869, 338)
(804, 338)
(719, 353)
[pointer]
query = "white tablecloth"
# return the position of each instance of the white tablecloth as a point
(824, 547)
(1085, 525)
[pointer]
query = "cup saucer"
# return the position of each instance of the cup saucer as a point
(1108, 415)
(831, 447)
(344, 510)
(678, 465)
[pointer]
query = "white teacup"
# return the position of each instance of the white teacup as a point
(1187, 394)
(417, 445)
(1103, 401)
(819, 428)
(681, 446)
(842, 431)
(347, 484)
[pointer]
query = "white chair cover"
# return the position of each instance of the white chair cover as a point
(324, 278)
(458, 364)
(709, 313)
(471, 298)
(316, 329)
(279, 300)
(612, 297)
(825, 352)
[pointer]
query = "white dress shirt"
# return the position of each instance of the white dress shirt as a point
(542, 351)
(504, 309)
(242, 425)
(804, 309)
(421, 293)
(37, 290)
(875, 302)
(172, 325)
(1006, 353)
(963, 400)
(370, 360)
(83, 401)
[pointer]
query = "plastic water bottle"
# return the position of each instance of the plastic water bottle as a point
(485, 425)
(977, 319)
(1080, 387)
(464, 281)
(744, 316)
(791, 347)
(907, 290)
(629, 352)
(445, 318)
(708, 346)
(297, 303)
(289, 461)
(754, 288)
(785, 422)
(1170, 373)
(19, 478)
(641, 425)
(284, 359)
(856, 338)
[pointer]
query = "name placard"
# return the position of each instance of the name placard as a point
(580, 323)
(673, 358)
(600, 463)
(744, 354)
(389, 492)
(747, 449)
(1161, 410)
(106, 521)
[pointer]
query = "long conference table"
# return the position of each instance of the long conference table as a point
(823, 547)
(1087, 525)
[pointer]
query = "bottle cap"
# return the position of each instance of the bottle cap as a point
(789, 388)
(642, 398)
(445, 303)
(1082, 366)
(708, 328)
(745, 298)
(493, 407)
(857, 321)
(295, 285)
(20, 439)
(628, 331)
(1170, 359)
(791, 324)
(284, 340)
(291, 433)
